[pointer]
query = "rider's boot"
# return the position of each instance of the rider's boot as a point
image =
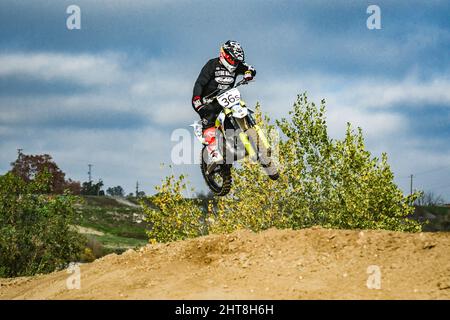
(214, 155)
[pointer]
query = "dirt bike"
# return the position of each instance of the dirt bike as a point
(236, 127)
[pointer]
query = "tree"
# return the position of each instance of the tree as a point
(140, 194)
(28, 167)
(92, 189)
(429, 199)
(35, 228)
(73, 186)
(116, 191)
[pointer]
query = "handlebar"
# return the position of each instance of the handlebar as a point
(208, 99)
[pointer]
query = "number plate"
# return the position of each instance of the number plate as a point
(229, 98)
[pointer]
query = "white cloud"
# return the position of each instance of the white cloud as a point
(84, 69)
(368, 102)
(157, 90)
(387, 93)
(345, 104)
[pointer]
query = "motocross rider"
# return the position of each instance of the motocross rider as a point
(218, 73)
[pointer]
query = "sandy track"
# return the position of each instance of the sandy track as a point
(312, 263)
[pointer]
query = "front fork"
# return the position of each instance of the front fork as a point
(247, 145)
(244, 126)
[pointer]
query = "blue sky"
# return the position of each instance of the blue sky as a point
(111, 93)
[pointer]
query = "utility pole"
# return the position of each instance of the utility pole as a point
(411, 185)
(137, 189)
(90, 172)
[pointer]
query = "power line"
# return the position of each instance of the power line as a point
(438, 186)
(432, 170)
(424, 172)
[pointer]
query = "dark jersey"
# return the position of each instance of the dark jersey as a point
(215, 76)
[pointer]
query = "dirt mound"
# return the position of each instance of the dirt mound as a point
(312, 263)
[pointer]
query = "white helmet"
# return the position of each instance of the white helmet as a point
(231, 54)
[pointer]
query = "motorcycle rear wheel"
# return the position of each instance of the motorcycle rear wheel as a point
(218, 181)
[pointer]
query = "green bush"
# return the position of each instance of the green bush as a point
(94, 248)
(35, 233)
(333, 183)
(176, 217)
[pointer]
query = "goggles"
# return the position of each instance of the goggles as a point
(228, 58)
